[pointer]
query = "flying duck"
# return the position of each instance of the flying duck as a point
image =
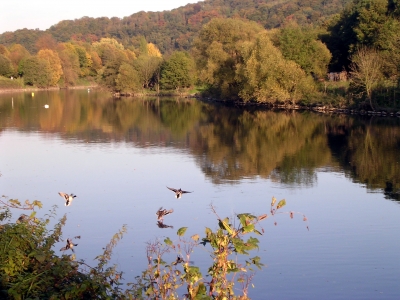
(68, 198)
(160, 224)
(69, 245)
(161, 212)
(178, 193)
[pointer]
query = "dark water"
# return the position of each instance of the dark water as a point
(118, 156)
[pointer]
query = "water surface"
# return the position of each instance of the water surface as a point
(118, 156)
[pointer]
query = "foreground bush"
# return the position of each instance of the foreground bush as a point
(30, 269)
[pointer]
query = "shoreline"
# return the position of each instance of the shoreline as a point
(322, 109)
(34, 89)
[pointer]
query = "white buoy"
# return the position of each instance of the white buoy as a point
(46, 106)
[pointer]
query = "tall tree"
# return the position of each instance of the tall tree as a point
(366, 71)
(70, 63)
(177, 71)
(54, 63)
(37, 72)
(18, 53)
(6, 67)
(218, 52)
(268, 77)
(302, 46)
(147, 66)
(128, 79)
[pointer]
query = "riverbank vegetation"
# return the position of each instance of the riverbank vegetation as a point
(31, 267)
(348, 57)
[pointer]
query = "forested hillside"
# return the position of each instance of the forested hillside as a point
(176, 29)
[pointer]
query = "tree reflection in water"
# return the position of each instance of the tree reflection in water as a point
(229, 144)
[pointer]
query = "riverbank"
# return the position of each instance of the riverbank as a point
(35, 89)
(323, 109)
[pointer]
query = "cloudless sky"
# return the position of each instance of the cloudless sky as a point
(42, 14)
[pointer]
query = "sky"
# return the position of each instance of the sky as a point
(43, 14)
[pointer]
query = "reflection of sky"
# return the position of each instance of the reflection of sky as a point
(351, 250)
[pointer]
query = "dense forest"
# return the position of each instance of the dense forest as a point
(292, 53)
(176, 29)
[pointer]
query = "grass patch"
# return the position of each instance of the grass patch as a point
(8, 84)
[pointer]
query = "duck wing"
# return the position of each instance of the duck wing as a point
(174, 190)
(185, 192)
(64, 195)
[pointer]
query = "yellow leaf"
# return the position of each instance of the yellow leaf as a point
(195, 237)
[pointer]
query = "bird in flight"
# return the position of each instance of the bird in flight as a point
(68, 198)
(178, 193)
(69, 245)
(161, 212)
(160, 224)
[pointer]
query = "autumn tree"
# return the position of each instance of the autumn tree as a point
(17, 54)
(85, 60)
(112, 55)
(96, 63)
(54, 63)
(46, 41)
(218, 52)
(152, 50)
(4, 51)
(70, 63)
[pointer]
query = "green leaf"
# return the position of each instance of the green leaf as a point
(281, 204)
(248, 228)
(223, 224)
(181, 231)
(257, 232)
(273, 201)
(168, 241)
(40, 257)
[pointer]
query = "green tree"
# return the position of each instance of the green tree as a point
(128, 79)
(268, 77)
(6, 67)
(37, 71)
(147, 66)
(177, 71)
(371, 23)
(302, 46)
(217, 51)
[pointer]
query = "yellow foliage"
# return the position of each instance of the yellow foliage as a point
(152, 50)
(109, 41)
(55, 64)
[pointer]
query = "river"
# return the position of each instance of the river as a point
(119, 155)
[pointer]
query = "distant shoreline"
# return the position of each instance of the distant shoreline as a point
(33, 89)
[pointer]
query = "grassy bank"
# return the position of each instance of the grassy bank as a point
(11, 84)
